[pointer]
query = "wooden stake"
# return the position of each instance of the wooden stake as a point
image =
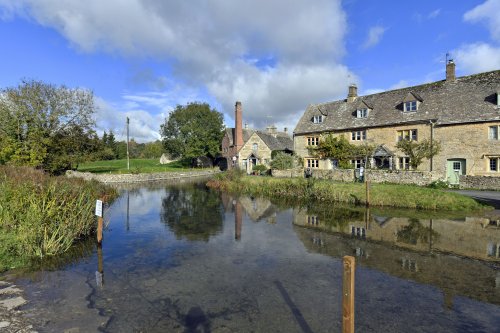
(367, 184)
(349, 264)
(99, 229)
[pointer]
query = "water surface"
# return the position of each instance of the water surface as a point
(181, 258)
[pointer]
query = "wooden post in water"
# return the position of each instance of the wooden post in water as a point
(367, 184)
(349, 264)
(100, 222)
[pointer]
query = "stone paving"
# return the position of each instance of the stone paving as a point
(11, 318)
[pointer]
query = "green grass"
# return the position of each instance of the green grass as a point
(138, 165)
(381, 195)
(43, 216)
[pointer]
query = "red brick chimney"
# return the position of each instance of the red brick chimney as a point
(238, 126)
(450, 70)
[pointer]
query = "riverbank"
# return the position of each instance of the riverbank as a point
(43, 216)
(382, 195)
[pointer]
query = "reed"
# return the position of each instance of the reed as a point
(44, 216)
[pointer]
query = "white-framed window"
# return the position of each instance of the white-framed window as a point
(312, 220)
(410, 106)
(358, 135)
(312, 163)
(407, 135)
(357, 163)
(318, 119)
(493, 132)
(362, 113)
(255, 146)
(313, 140)
(494, 164)
(404, 163)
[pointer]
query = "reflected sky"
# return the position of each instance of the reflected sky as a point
(181, 258)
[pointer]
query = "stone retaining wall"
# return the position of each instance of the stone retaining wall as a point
(376, 176)
(141, 177)
(480, 182)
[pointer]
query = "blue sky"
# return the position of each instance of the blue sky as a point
(143, 57)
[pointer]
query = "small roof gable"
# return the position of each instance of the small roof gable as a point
(412, 96)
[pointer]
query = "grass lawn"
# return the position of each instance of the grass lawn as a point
(138, 165)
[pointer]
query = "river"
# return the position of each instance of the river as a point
(181, 258)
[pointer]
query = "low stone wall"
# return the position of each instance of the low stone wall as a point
(480, 182)
(376, 176)
(290, 173)
(421, 178)
(141, 177)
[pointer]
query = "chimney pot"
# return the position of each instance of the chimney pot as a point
(285, 129)
(450, 70)
(353, 93)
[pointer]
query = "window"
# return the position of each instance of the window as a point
(493, 133)
(410, 106)
(358, 135)
(404, 163)
(357, 163)
(313, 140)
(318, 119)
(407, 135)
(312, 163)
(312, 220)
(362, 113)
(494, 164)
(255, 146)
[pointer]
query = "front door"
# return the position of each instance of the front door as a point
(455, 168)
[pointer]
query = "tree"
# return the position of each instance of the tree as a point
(46, 126)
(337, 148)
(283, 161)
(418, 150)
(153, 149)
(192, 130)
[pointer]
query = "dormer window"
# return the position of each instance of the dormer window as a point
(362, 113)
(410, 106)
(318, 119)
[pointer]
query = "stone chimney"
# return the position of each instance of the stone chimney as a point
(450, 70)
(272, 130)
(238, 126)
(285, 130)
(353, 93)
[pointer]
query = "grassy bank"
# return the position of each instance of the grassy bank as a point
(137, 165)
(382, 195)
(43, 216)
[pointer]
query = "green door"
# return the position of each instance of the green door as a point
(455, 168)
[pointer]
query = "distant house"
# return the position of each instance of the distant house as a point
(245, 148)
(462, 113)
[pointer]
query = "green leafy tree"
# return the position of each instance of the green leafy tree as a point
(418, 150)
(192, 130)
(153, 149)
(45, 126)
(283, 161)
(336, 148)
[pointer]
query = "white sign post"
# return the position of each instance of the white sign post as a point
(98, 208)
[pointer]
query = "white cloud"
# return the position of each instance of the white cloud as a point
(374, 36)
(434, 14)
(476, 58)
(206, 44)
(489, 13)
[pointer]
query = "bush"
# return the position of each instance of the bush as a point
(439, 184)
(259, 168)
(283, 161)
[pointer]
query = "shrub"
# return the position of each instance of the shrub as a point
(283, 161)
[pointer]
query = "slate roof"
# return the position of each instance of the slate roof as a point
(282, 140)
(467, 99)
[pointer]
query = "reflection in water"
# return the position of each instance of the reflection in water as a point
(277, 277)
(193, 213)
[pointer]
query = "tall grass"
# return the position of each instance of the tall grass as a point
(382, 195)
(43, 216)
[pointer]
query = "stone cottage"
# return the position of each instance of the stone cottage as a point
(463, 114)
(245, 148)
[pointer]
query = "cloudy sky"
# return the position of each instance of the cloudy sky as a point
(143, 57)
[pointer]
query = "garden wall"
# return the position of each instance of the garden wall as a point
(480, 182)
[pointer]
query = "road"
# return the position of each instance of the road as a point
(489, 197)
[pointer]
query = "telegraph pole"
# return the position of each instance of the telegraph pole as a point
(128, 157)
